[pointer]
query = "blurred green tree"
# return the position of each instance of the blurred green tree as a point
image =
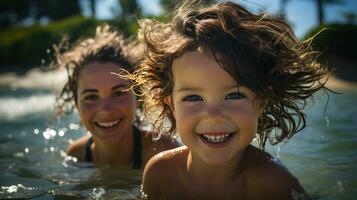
(170, 5)
(130, 9)
(55, 9)
(93, 7)
(15, 11)
(12, 11)
(350, 17)
(320, 4)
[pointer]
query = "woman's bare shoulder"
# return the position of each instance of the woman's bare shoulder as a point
(77, 148)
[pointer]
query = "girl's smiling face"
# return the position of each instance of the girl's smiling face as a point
(215, 118)
(105, 107)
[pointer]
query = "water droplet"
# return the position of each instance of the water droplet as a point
(36, 131)
(97, 193)
(327, 121)
(19, 154)
(63, 153)
(322, 138)
(341, 188)
(61, 133)
(48, 51)
(278, 151)
(73, 126)
(52, 149)
(156, 137)
(142, 194)
(27, 150)
(49, 133)
(43, 61)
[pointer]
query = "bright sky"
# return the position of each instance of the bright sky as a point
(300, 13)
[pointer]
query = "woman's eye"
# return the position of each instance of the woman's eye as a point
(119, 93)
(234, 96)
(91, 97)
(192, 98)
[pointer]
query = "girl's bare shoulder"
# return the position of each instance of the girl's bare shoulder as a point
(163, 143)
(269, 177)
(170, 157)
(161, 170)
(150, 147)
(168, 161)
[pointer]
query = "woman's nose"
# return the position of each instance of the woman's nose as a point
(107, 104)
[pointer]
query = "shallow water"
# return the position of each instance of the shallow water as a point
(33, 163)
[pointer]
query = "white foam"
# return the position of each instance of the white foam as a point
(12, 108)
(34, 79)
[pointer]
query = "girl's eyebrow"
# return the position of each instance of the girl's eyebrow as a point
(183, 89)
(119, 86)
(228, 87)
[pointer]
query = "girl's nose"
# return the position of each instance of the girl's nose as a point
(214, 113)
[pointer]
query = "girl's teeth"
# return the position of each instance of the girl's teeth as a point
(108, 124)
(217, 138)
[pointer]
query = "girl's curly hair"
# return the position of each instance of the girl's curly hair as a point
(106, 46)
(258, 51)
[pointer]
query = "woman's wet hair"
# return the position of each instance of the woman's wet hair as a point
(258, 51)
(107, 46)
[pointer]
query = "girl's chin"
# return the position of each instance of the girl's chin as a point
(217, 161)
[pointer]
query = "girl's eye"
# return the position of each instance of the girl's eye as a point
(234, 96)
(119, 93)
(192, 98)
(91, 97)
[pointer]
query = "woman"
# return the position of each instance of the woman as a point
(106, 106)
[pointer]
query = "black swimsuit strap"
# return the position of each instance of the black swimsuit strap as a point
(137, 162)
(88, 151)
(137, 148)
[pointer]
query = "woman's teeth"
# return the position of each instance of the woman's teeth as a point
(108, 124)
(217, 138)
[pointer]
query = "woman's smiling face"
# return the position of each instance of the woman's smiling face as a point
(215, 118)
(105, 107)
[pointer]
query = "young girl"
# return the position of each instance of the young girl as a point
(223, 76)
(105, 106)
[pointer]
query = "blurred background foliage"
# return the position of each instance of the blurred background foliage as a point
(30, 28)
